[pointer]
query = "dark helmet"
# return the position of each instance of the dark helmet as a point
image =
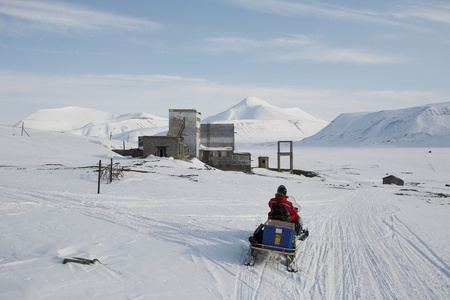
(282, 190)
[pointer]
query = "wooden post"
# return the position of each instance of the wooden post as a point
(111, 171)
(291, 158)
(99, 175)
(278, 157)
(23, 129)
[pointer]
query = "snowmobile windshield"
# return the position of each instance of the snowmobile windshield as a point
(294, 203)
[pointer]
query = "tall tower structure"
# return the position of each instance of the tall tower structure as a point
(191, 132)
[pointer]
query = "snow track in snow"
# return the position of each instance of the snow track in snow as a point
(358, 248)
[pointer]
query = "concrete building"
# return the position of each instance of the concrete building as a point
(217, 148)
(171, 145)
(217, 135)
(213, 144)
(191, 131)
(227, 160)
(163, 146)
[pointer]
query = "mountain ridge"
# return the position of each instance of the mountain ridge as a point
(426, 125)
(263, 122)
(257, 121)
(253, 108)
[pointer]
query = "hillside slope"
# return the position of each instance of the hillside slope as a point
(427, 125)
(91, 122)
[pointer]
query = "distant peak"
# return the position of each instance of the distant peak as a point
(253, 101)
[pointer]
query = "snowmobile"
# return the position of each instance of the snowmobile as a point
(277, 236)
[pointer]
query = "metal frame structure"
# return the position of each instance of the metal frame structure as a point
(290, 154)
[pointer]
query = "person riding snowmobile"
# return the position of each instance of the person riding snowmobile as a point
(280, 209)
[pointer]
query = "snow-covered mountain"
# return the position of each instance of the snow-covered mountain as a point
(427, 125)
(257, 121)
(91, 122)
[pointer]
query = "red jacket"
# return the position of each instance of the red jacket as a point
(280, 199)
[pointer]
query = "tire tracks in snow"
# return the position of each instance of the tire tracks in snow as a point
(267, 279)
(360, 249)
(155, 226)
(182, 230)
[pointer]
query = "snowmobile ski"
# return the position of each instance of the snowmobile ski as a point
(291, 264)
(303, 235)
(251, 257)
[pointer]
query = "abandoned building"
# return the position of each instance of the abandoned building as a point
(213, 144)
(190, 131)
(171, 145)
(263, 162)
(217, 148)
(163, 146)
(391, 179)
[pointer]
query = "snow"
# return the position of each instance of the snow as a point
(422, 126)
(256, 121)
(253, 108)
(173, 229)
(95, 123)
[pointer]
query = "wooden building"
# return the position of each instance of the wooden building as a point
(391, 179)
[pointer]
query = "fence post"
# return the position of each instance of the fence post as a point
(111, 171)
(99, 175)
(23, 129)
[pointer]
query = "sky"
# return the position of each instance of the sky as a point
(149, 56)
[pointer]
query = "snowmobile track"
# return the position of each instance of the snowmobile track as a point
(359, 248)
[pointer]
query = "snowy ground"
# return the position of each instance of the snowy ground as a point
(177, 230)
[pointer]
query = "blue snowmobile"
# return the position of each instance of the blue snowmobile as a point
(278, 235)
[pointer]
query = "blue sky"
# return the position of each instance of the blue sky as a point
(324, 57)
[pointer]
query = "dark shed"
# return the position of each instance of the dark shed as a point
(391, 179)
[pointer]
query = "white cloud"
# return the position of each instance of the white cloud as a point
(339, 55)
(435, 12)
(294, 48)
(292, 8)
(397, 14)
(240, 45)
(57, 16)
